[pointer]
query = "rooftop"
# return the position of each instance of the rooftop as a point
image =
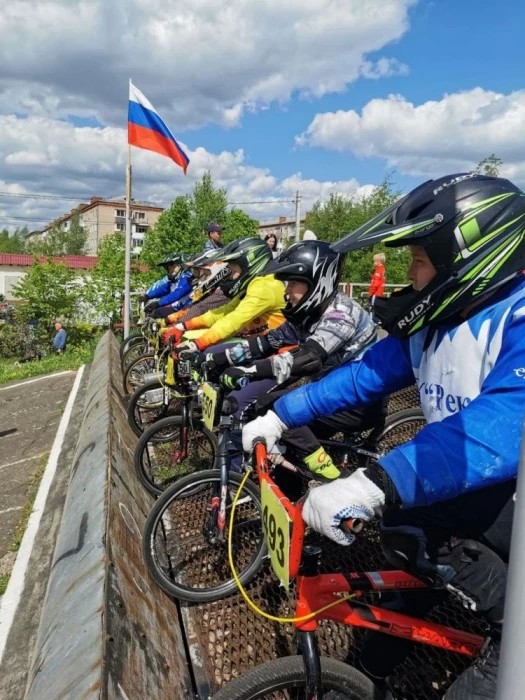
(75, 262)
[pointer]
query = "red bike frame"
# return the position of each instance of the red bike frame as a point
(318, 590)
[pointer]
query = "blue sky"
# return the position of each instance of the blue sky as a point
(270, 98)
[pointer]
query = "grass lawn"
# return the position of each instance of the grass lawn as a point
(73, 358)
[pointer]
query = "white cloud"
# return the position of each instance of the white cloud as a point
(451, 134)
(198, 62)
(40, 156)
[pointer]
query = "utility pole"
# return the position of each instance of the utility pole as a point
(127, 265)
(297, 216)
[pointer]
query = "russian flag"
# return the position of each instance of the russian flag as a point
(147, 130)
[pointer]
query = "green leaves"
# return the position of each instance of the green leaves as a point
(340, 215)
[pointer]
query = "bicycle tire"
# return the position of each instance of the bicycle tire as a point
(153, 456)
(265, 682)
(133, 352)
(129, 340)
(178, 556)
(146, 406)
(400, 427)
(141, 370)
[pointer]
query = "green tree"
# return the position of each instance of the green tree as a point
(104, 291)
(331, 220)
(237, 224)
(182, 227)
(50, 291)
(207, 203)
(489, 166)
(58, 241)
(13, 243)
(174, 231)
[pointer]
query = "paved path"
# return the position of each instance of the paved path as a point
(30, 411)
(33, 409)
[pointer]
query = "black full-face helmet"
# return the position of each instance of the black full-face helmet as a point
(251, 254)
(319, 267)
(472, 228)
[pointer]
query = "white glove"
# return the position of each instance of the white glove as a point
(355, 496)
(270, 427)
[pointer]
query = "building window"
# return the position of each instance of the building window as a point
(142, 229)
(140, 215)
(119, 226)
(120, 212)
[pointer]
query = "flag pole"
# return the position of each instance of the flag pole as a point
(127, 254)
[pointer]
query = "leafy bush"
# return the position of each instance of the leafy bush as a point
(12, 338)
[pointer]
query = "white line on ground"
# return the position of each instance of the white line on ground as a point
(9, 510)
(21, 461)
(16, 584)
(38, 379)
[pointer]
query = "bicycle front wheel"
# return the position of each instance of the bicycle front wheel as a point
(132, 339)
(133, 352)
(157, 457)
(284, 679)
(140, 371)
(399, 428)
(178, 550)
(147, 406)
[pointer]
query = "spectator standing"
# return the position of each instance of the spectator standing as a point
(377, 282)
(271, 241)
(214, 237)
(60, 339)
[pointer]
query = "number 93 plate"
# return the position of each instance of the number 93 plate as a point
(276, 524)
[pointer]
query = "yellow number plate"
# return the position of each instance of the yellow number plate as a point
(276, 524)
(170, 376)
(209, 402)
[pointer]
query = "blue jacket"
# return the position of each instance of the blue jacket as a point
(59, 341)
(471, 379)
(167, 291)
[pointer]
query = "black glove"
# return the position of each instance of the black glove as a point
(144, 299)
(219, 359)
(151, 305)
(161, 312)
(237, 377)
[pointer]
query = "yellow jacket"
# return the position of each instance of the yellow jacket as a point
(256, 313)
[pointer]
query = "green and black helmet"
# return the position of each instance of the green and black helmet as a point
(472, 228)
(252, 255)
(173, 259)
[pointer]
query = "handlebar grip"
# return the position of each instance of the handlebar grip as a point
(352, 526)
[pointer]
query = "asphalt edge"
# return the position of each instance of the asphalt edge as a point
(70, 640)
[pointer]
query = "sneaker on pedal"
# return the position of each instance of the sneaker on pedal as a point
(477, 682)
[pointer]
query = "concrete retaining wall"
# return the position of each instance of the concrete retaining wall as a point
(106, 630)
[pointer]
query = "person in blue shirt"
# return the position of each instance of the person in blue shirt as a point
(60, 339)
(445, 498)
(175, 285)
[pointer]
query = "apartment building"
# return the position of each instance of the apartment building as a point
(104, 216)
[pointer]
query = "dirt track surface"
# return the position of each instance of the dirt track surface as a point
(30, 412)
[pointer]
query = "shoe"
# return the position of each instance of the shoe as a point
(477, 682)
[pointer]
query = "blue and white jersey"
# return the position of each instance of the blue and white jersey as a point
(471, 380)
(167, 291)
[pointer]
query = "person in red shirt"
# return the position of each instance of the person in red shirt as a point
(377, 283)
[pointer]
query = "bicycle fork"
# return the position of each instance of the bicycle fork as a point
(312, 665)
(215, 525)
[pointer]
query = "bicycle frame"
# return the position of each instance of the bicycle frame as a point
(316, 590)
